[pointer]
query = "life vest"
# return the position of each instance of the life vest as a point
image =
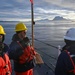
(29, 72)
(5, 66)
(73, 70)
(28, 54)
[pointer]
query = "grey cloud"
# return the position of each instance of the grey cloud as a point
(63, 3)
(42, 9)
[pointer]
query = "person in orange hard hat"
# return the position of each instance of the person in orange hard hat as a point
(21, 51)
(5, 64)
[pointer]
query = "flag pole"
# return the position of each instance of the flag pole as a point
(32, 18)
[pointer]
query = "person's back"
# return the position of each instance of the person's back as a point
(66, 60)
(64, 64)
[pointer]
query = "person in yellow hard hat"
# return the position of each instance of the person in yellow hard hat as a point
(5, 64)
(21, 51)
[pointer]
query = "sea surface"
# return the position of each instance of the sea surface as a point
(47, 37)
(46, 32)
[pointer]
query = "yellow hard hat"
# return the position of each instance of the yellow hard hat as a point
(20, 26)
(2, 30)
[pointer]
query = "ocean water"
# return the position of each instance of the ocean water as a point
(50, 31)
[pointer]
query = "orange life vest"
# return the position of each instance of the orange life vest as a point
(5, 65)
(28, 54)
(29, 72)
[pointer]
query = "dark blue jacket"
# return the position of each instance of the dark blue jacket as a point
(64, 64)
(6, 48)
(3, 49)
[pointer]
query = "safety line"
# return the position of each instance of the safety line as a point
(47, 44)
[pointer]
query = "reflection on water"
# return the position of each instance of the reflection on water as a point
(43, 31)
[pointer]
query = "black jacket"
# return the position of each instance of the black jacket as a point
(64, 64)
(16, 51)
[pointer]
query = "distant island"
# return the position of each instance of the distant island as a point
(59, 18)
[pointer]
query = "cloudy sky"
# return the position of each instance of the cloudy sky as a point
(43, 9)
